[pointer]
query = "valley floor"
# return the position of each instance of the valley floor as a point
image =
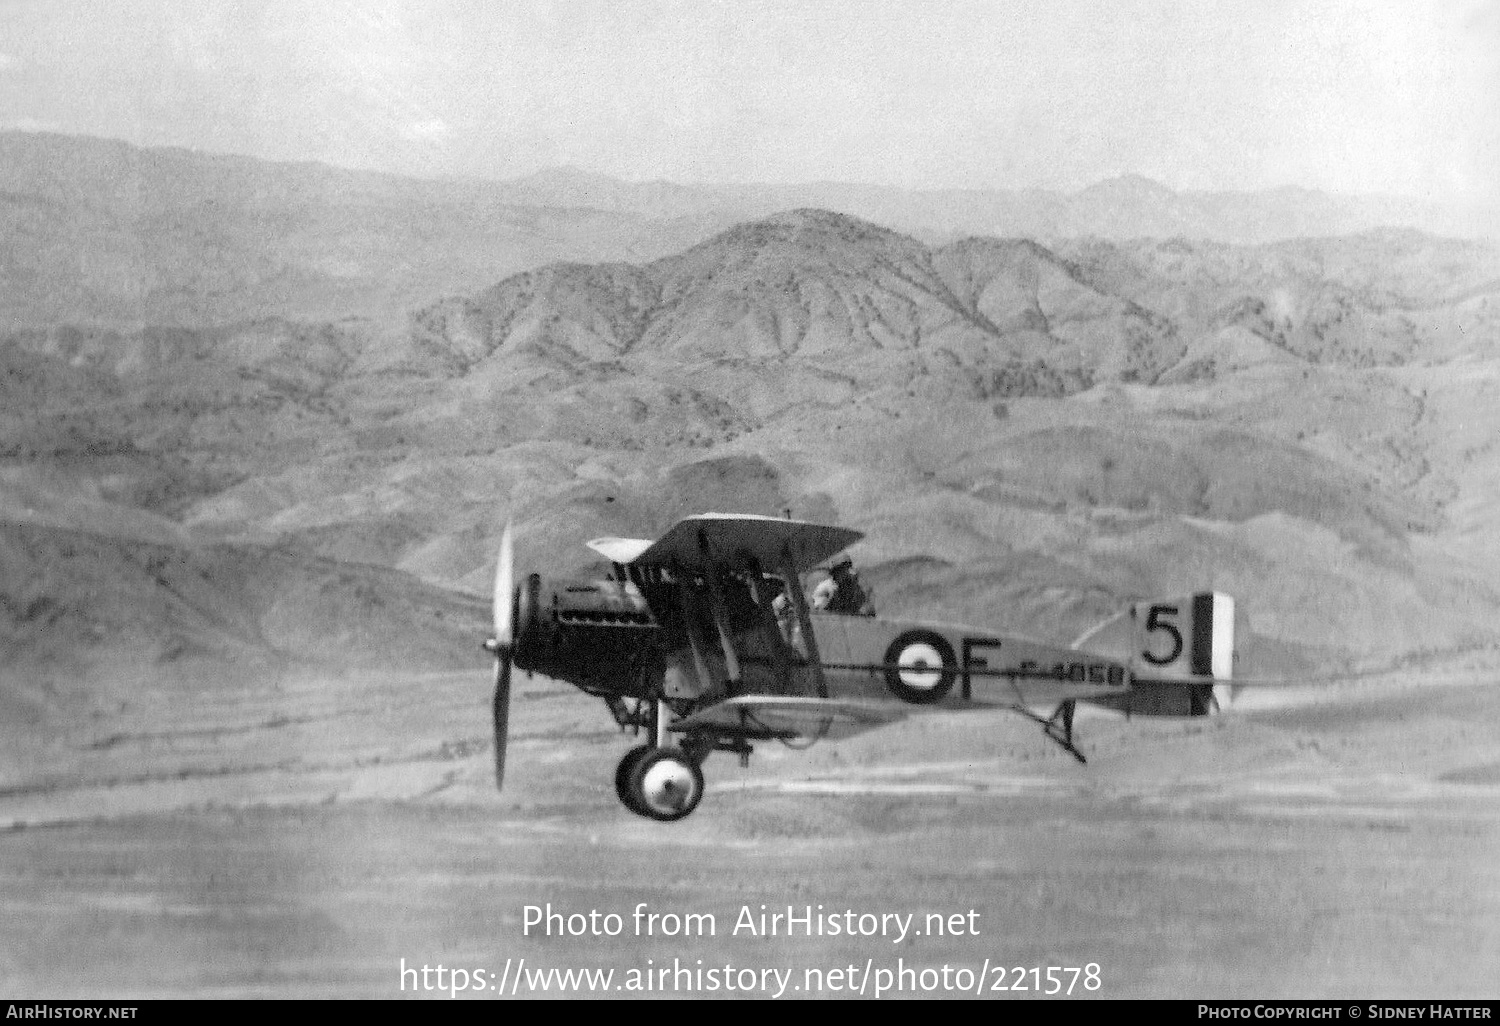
(302, 840)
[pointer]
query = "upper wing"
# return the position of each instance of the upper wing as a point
(785, 716)
(620, 550)
(732, 539)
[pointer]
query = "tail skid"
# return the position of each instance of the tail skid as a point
(1058, 727)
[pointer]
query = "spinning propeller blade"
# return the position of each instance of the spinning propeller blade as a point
(504, 643)
(505, 586)
(502, 713)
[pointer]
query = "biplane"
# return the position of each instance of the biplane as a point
(685, 642)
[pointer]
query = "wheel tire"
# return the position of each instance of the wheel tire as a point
(665, 785)
(622, 777)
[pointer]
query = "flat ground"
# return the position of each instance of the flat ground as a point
(302, 838)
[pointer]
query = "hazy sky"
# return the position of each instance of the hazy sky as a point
(1399, 96)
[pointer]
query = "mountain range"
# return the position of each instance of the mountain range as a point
(104, 233)
(254, 416)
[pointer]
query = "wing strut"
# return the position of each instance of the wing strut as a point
(804, 619)
(721, 614)
(769, 626)
(690, 624)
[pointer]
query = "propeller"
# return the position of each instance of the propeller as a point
(503, 644)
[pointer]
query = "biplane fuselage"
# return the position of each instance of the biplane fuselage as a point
(685, 640)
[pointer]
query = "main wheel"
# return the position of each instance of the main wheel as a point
(665, 784)
(622, 778)
(623, 773)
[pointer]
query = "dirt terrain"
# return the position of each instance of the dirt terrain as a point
(303, 838)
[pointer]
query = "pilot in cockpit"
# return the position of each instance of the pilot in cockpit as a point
(842, 592)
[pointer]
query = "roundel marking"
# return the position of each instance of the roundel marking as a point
(919, 667)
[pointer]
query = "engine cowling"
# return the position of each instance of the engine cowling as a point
(587, 633)
(600, 604)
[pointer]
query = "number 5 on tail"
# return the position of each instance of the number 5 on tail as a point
(1188, 638)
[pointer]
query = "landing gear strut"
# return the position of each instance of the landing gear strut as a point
(660, 780)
